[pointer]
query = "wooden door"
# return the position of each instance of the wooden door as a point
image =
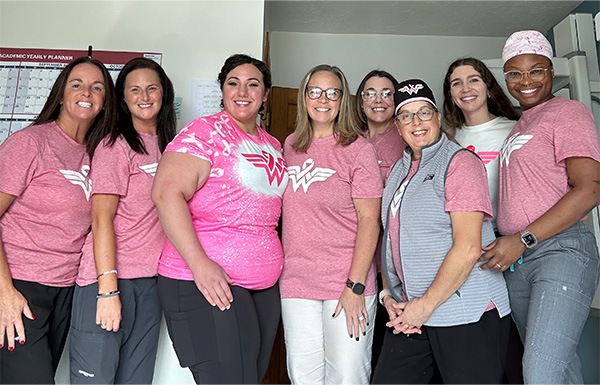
(282, 122)
(283, 112)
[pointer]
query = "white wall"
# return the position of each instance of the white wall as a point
(405, 57)
(195, 37)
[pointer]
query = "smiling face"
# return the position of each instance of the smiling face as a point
(83, 97)
(378, 110)
(418, 134)
(468, 91)
(530, 93)
(323, 111)
(143, 95)
(243, 95)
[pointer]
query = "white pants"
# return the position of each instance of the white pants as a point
(319, 348)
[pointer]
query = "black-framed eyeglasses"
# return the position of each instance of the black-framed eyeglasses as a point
(535, 75)
(371, 94)
(332, 94)
(425, 114)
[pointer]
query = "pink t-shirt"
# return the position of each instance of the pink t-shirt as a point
(139, 236)
(44, 228)
(319, 218)
(533, 173)
(237, 209)
(389, 147)
(466, 190)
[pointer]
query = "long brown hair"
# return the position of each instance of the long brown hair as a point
(105, 119)
(498, 103)
(346, 127)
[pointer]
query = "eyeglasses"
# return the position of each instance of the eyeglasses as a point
(371, 94)
(535, 75)
(332, 94)
(425, 114)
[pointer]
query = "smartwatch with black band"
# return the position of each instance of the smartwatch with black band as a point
(357, 288)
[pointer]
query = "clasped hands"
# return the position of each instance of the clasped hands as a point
(406, 317)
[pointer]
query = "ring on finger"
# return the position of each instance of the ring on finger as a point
(499, 265)
(361, 318)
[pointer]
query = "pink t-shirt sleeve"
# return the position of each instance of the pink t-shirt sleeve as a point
(576, 134)
(110, 170)
(18, 161)
(466, 185)
(197, 139)
(366, 177)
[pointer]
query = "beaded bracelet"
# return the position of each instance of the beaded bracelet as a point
(109, 294)
(106, 273)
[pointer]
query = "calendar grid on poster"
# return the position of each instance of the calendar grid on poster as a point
(27, 76)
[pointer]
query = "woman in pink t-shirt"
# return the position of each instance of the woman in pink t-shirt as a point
(376, 113)
(375, 108)
(45, 215)
(549, 182)
(116, 302)
(330, 229)
(218, 191)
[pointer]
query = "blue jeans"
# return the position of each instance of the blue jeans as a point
(550, 297)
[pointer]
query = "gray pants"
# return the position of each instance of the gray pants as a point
(550, 296)
(125, 357)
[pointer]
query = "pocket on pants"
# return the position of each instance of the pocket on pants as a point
(193, 335)
(87, 363)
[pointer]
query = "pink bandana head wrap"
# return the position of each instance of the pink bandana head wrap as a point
(526, 42)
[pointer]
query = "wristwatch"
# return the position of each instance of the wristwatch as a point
(382, 294)
(357, 288)
(528, 239)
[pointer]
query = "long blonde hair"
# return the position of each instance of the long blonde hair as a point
(346, 127)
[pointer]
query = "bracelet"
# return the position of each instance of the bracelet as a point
(106, 273)
(109, 294)
(382, 294)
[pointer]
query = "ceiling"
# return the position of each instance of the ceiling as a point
(425, 17)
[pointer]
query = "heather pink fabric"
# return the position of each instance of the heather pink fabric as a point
(139, 237)
(533, 173)
(319, 218)
(389, 147)
(237, 209)
(44, 228)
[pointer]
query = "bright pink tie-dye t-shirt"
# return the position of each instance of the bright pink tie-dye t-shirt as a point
(236, 211)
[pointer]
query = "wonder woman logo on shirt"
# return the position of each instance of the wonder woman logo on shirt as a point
(274, 167)
(511, 144)
(149, 168)
(80, 179)
(308, 174)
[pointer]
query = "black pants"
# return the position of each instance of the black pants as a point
(36, 361)
(465, 354)
(232, 346)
